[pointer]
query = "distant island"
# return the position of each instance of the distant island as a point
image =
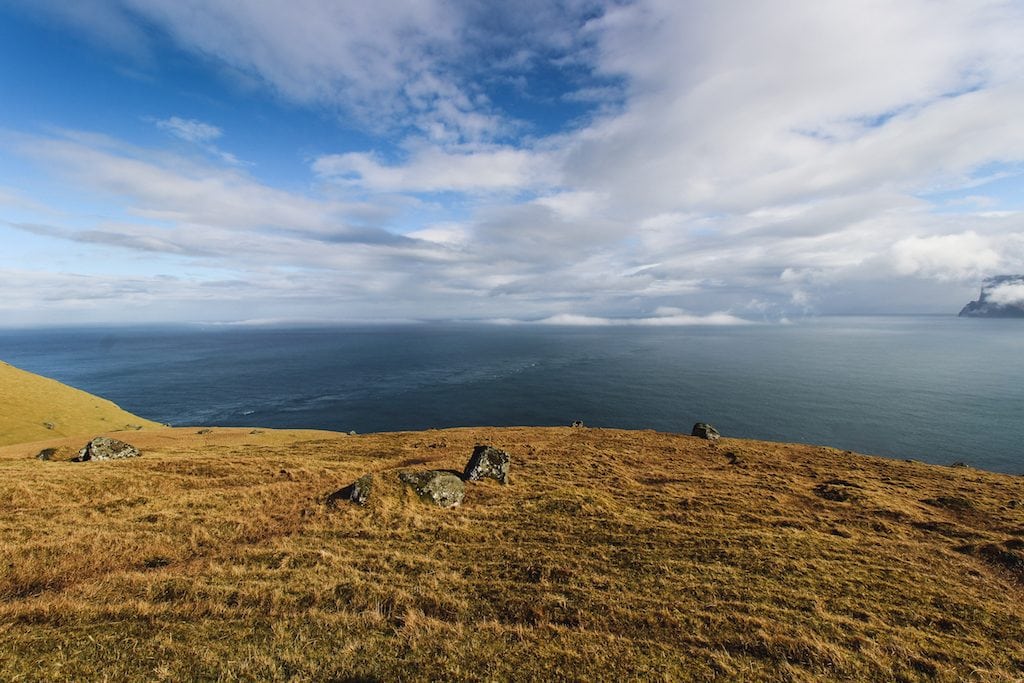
(1001, 296)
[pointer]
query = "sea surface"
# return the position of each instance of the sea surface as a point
(937, 389)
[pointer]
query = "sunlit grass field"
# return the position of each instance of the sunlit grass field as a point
(611, 555)
(34, 408)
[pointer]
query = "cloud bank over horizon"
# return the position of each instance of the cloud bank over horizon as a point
(580, 162)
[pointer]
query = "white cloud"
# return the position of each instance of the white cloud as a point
(573, 206)
(435, 170)
(782, 153)
(200, 134)
(1007, 294)
(678, 319)
(168, 188)
(446, 233)
(190, 130)
(946, 257)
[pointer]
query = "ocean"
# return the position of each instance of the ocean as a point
(936, 389)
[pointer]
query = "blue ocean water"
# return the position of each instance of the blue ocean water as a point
(938, 389)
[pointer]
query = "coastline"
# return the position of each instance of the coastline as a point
(610, 553)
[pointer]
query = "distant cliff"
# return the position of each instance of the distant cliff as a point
(1001, 296)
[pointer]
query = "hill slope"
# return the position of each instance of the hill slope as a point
(33, 408)
(611, 554)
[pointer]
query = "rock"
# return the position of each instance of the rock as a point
(577, 423)
(1001, 296)
(735, 459)
(352, 433)
(837, 491)
(46, 454)
(843, 482)
(357, 492)
(487, 462)
(204, 431)
(49, 425)
(705, 431)
(105, 448)
(949, 502)
(436, 486)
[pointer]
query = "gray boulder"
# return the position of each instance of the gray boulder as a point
(105, 448)
(357, 492)
(705, 431)
(46, 454)
(436, 486)
(488, 462)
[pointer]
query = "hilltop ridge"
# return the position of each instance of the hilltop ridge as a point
(33, 408)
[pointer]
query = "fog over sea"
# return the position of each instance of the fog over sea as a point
(936, 389)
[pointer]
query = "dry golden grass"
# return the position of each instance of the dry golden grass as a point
(34, 408)
(611, 555)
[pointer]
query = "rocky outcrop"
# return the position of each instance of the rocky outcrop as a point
(444, 488)
(438, 487)
(1001, 296)
(487, 462)
(105, 448)
(357, 492)
(705, 431)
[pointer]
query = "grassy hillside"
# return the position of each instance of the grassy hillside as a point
(33, 408)
(611, 555)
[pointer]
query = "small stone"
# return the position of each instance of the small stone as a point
(46, 454)
(204, 431)
(436, 486)
(735, 459)
(705, 431)
(837, 492)
(949, 502)
(352, 432)
(49, 425)
(577, 423)
(489, 462)
(105, 448)
(357, 492)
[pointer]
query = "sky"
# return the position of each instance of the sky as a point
(658, 162)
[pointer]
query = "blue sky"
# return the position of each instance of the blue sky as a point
(575, 162)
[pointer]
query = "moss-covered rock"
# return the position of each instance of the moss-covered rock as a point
(357, 492)
(436, 486)
(487, 462)
(105, 448)
(705, 431)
